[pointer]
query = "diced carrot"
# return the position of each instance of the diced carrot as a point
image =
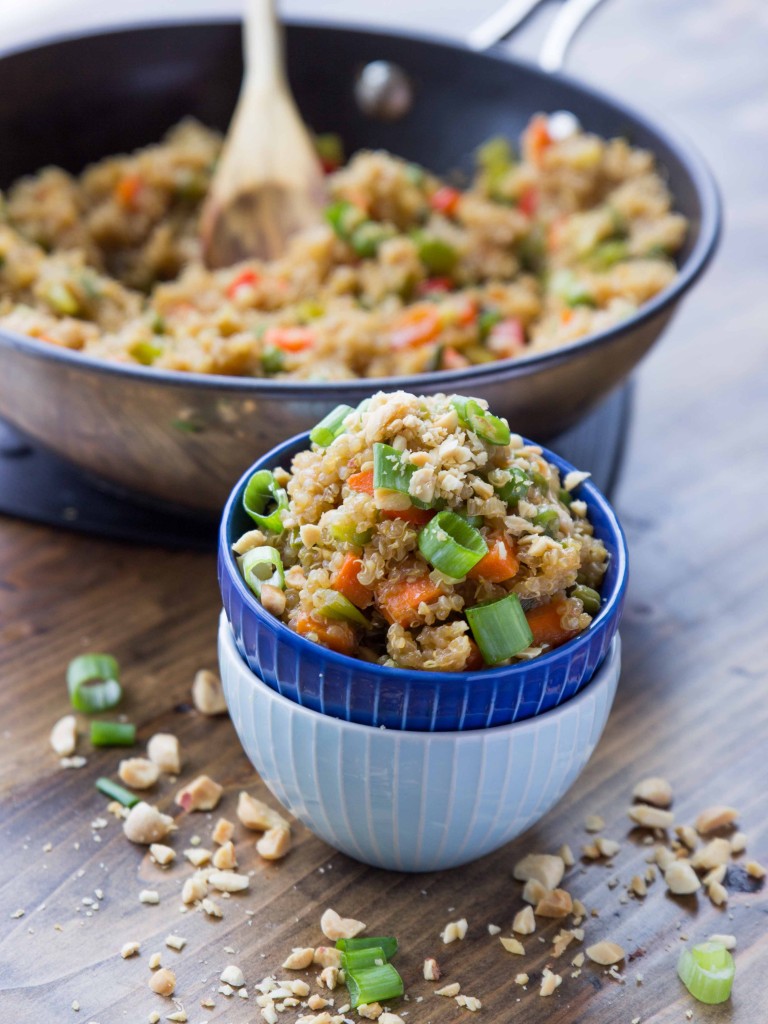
(127, 190)
(566, 315)
(529, 201)
(399, 600)
(536, 139)
(247, 277)
(445, 200)
(416, 326)
(499, 564)
(362, 482)
(546, 625)
(338, 636)
(507, 338)
(475, 661)
(414, 516)
(453, 359)
(347, 583)
(290, 339)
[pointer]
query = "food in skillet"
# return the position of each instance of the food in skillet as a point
(408, 274)
(421, 533)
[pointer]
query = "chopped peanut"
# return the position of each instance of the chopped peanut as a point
(197, 856)
(228, 881)
(129, 949)
(651, 817)
(232, 975)
(715, 853)
(273, 600)
(211, 908)
(327, 956)
(605, 953)
(202, 794)
(718, 894)
(161, 854)
(754, 869)
(557, 903)
(454, 930)
(208, 694)
(533, 891)
(224, 857)
(546, 868)
(549, 982)
(194, 889)
(715, 875)
(163, 982)
(729, 941)
(63, 736)
(175, 942)
(607, 847)
(715, 817)
(145, 824)
(449, 990)
(638, 886)
(390, 1018)
(469, 1002)
(149, 896)
(316, 1002)
(738, 842)
(329, 977)
(223, 831)
(275, 843)
(654, 790)
(594, 823)
(370, 1010)
(524, 922)
(521, 979)
(138, 772)
(566, 855)
(681, 879)
(431, 969)
(163, 749)
(687, 836)
(513, 946)
(335, 927)
(256, 815)
(299, 959)
(563, 939)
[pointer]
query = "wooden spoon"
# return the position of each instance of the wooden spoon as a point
(269, 182)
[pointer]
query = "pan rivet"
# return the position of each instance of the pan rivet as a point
(384, 91)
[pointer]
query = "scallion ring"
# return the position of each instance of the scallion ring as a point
(451, 545)
(262, 565)
(113, 734)
(500, 628)
(387, 943)
(373, 985)
(549, 520)
(93, 681)
(481, 422)
(330, 427)
(390, 473)
(370, 956)
(334, 605)
(707, 971)
(589, 598)
(262, 492)
(516, 487)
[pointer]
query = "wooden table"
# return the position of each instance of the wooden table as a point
(691, 703)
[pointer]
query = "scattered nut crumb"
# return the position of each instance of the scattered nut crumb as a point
(161, 854)
(163, 748)
(175, 942)
(715, 875)
(578, 960)
(223, 831)
(607, 847)
(681, 879)
(211, 908)
(594, 823)
(369, 1010)
(549, 982)
(390, 1018)
(197, 856)
(208, 693)
(718, 894)
(329, 977)
(256, 815)
(653, 790)
(228, 881)
(77, 761)
(524, 922)
(651, 817)
(454, 930)
(566, 855)
(729, 941)
(138, 772)
(63, 738)
(129, 949)
(557, 903)
(546, 868)
(715, 817)
(275, 843)
(431, 969)
(493, 929)
(224, 858)
(449, 990)
(712, 855)
(335, 927)
(202, 794)
(149, 896)
(687, 836)
(469, 1003)
(521, 979)
(194, 888)
(232, 975)
(154, 961)
(638, 886)
(513, 946)
(327, 956)
(299, 959)
(163, 982)
(145, 824)
(605, 953)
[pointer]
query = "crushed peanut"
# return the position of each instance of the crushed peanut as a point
(715, 817)
(653, 790)
(605, 953)
(638, 886)
(738, 842)
(454, 930)
(257, 815)
(223, 831)
(155, 961)
(299, 959)
(161, 854)
(651, 817)
(594, 823)
(521, 979)
(390, 1018)
(197, 856)
(370, 1010)
(211, 908)
(557, 903)
(224, 858)
(163, 982)
(149, 896)
(145, 824)
(524, 922)
(431, 969)
(138, 772)
(712, 855)
(63, 738)
(546, 868)
(754, 869)
(129, 949)
(194, 888)
(469, 1003)
(335, 927)
(578, 960)
(549, 982)
(175, 942)
(513, 946)
(163, 748)
(208, 693)
(729, 941)
(687, 836)
(566, 855)
(202, 794)
(681, 879)
(533, 891)
(450, 990)
(329, 977)
(275, 843)
(607, 847)
(718, 894)
(232, 975)
(327, 956)
(563, 939)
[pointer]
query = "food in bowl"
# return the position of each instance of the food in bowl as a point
(420, 533)
(409, 274)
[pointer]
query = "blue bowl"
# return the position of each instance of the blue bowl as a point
(358, 691)
(413, 801)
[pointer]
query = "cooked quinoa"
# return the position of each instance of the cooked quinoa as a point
(409, 274)
(403, 518)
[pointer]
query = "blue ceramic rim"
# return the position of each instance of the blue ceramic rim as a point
(282, 454)
(600, 678)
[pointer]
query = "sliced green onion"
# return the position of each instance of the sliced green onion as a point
(566, 286)
(370, 956)
(261, 492)
(588, 597)
(345, 532)
(487, 320)
(549, 520)
(707, 971)
(565, 497)
(499, 628)
(516, 487)
(368, 236)
(450, 544)
(334, 605)
(390, 473)
(481, 422)
(374, 985)
(541, 481)
(608, 254)
(93, 683)
(330, 426)
(438, 256)
(387, 943)
(272, 359)
(115, 792)
(113, 734)
(262, 565)
(344, 217)
(472, 520)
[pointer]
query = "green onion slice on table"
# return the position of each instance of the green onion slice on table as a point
(330, 427)
(500, 628)
(93, 683)
(707, 971)
(116, 792)
(481, 422)
(371, 956)
(113, 734)
(264, 500)
(450, 544)
(334, 605)
(373, 984)
(386, 943)
(262, 565)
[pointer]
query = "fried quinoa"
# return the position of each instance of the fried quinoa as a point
(407, 522)
(407, 274)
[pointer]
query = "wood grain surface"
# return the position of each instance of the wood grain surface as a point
(691, 703)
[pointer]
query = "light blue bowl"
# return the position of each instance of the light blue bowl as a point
(409, 699)
(413, 801)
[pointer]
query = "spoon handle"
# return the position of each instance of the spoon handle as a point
(263, 46)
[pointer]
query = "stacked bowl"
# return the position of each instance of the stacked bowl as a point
(407, 769)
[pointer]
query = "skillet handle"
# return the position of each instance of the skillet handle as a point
(563, 30)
